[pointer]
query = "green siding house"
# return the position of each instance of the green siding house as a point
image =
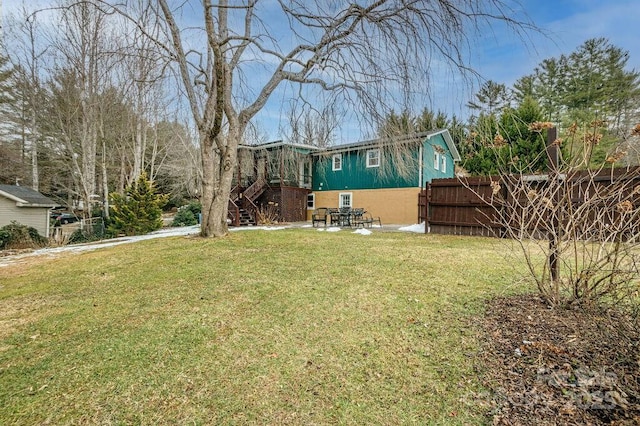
(384, 176)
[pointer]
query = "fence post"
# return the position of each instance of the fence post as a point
(427, 198)
(554, 175)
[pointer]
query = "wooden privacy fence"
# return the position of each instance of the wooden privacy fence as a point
(452, 206)
(470, 206)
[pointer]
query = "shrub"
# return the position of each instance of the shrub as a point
(187, 215)
(92, 231)
(83, 236)
(268, 214)
(138, 211)
(184, 217)
(17, 236)
(577, 227)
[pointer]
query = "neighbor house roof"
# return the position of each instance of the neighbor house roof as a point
(416, 137)
(25, 197)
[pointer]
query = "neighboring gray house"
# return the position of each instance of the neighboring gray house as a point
(25, 206)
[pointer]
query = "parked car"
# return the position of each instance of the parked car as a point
(62, 218)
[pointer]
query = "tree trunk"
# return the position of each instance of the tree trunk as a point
(138, 149)
(35, 176)
(216, 185)
(105, 183)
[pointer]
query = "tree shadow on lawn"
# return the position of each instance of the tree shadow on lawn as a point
(559, 367)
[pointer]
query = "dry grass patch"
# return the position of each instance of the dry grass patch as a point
(17, 312)
(287, 327)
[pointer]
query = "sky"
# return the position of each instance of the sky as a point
(567, 23)
(497, 55)
(564, 25)
(504, 57)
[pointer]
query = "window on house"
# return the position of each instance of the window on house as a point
(306, 173)
(436, 160)
(311, 201)
(337, 162)
(373, 158)
(443, 167)
(345, 199)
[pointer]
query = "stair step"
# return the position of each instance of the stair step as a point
(246, 219)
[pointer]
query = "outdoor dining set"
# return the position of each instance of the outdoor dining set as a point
(344, 217)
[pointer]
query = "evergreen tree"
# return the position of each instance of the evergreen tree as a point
(508, 143)
(591, 83)
(138, 211)
(522, 88)
(527, 147)
(490, 98)
(397, 125)
(406, 123)
(550, 87)
(480, 157)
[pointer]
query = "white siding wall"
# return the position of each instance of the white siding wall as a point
(36, 217)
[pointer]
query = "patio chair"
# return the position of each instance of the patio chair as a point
(357, 216)
(367, 220)
(345, 216)
(319, 216)
(335, 216)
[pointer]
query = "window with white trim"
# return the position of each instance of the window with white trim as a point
(443, 167)
(336, 162)
(311, 201)
(436, 160)
(344, 199)
(373, 158)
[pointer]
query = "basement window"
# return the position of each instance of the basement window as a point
(344, 199)
(311, 201)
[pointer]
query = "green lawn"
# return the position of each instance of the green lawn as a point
(282, 327)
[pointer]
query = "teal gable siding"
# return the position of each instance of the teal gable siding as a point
(356, 175)
(429, 151)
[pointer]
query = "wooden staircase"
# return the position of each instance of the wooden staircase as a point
(246, 219)
(242, 207)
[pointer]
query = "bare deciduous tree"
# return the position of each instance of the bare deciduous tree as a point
(28, 63)
(83, 52)
(312, 126)
(366, 54)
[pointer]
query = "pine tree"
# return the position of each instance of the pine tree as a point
(490, 98)
(138, 211)
(527, 150)
(508, 143)
(590, 83)
(397, 125)
(523, 87)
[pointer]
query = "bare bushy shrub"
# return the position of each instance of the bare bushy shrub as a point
(578, 227)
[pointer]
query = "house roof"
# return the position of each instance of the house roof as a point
(25, 197)
(396, 140)
(279, 143)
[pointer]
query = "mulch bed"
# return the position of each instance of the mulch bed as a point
(558, 366)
